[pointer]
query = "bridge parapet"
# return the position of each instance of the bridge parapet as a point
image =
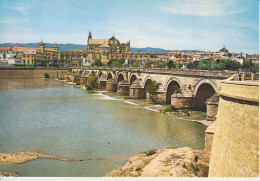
(164, 71)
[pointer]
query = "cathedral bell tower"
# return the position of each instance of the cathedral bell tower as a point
(89, 37)
(42, 46)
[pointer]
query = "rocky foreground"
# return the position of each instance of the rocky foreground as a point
(179, 162)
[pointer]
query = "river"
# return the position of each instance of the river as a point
(55, 118)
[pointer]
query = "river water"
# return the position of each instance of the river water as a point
(55, 118)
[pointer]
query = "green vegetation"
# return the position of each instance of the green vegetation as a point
(152, 87)
(97, 62)
(170, 109)
(149, 152)
(247, 64)
(92, 82)
(176, 89)
(60, 78)
(116, 63)
(170, 64)
(136, 64)
(220, 64)
(46, 75)
(171, 147)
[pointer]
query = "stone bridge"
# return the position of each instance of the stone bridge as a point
(181, 88)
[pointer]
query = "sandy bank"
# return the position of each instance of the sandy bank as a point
(22, 157)
(179, 162)
(8, 174)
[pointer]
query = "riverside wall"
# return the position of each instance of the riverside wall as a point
(28, 73)
(235, 146)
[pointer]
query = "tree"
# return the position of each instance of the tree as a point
(97, 62)
(247, 64)
(232, 65)
(92, 82)
(152, 87)
(193, 65)
(170, 64)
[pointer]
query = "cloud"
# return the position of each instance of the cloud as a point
(11, 20)
(203, 8)
(20, 9)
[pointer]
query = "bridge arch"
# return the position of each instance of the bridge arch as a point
(109, 76)
(99, 74)
(147, 81)
(204, 89)
(132, 78)
(120, 77)
(173, 85)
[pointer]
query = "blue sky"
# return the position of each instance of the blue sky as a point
(169, 24)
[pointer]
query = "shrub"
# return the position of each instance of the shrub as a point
(150, 152)
(92, 82)
(60, 78)
(170, 109)
(46, 75)
(152, 87)
(97, 62)
(89, 87)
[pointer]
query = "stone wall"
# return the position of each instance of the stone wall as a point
(235, 147)
(28, 73)
(181, 102)
(157, 97)
(137, 93)
(122, 90)
(212, 107)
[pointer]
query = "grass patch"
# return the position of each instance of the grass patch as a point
(149, 152)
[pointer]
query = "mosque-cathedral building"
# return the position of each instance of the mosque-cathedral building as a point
(106, 49)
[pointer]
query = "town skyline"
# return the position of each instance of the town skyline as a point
(190, 25)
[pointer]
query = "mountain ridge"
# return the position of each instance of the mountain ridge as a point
(71, 46)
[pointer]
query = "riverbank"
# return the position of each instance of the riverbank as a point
(26, 156)
(179, 162)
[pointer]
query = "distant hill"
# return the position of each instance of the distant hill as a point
(62, 47)
(69, 46)
(149, 49)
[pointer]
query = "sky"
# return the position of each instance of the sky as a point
(169, 24)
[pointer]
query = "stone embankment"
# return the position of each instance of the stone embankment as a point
(31, 72)
(179, 162)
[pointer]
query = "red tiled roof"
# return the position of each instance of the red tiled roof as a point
(5, 48)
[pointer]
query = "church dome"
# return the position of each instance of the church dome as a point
(113, 38)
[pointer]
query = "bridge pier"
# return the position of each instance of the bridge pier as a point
(67, 77)
(83, 80)
(180, 102)
(111, 86)
(102, 80)
(157, 97)
(123, 88)
(212, 107)
(76, 79)
(136, 90)
(184, 99)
